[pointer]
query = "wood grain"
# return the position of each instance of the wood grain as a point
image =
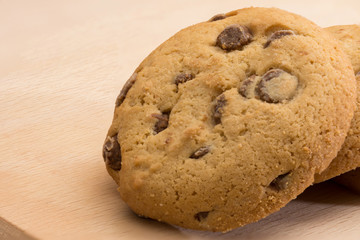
(62, 64)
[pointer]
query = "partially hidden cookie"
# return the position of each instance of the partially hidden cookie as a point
(230, 119)
(348, 157)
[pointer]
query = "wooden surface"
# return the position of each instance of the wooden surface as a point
(9, 231)
(62, 64)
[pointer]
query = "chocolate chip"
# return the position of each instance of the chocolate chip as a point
(112, 153)
(183, 77)
(120, 99)
(200, 152)
(276, 85)
(247, 88)
(162, 123)
(280, 182)
(277, 35)
(234, 37)
(219, 105)
(217, 17)
(358, 74)
(201, 216)
(272, 73)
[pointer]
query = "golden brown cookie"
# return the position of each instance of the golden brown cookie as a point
(230, 119)
(348, 157)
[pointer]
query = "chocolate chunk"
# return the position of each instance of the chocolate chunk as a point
(272, 73)
(248, 86)
(201, 216)
(217, 17)
(183, 77)
(200, 152)
(234, 37)
(112, 153)
(220, 103)
(280, 182)
(277, 35)
(120, 99)
(162, 123)
(276, 85)
(358, 74)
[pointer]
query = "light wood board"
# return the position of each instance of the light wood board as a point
(62, 64)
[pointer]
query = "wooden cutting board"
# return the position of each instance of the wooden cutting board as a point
(62, 64)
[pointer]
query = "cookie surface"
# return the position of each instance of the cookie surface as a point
(230, 119)
(348, 158)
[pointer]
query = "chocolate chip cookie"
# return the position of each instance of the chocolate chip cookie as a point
(230, 119)
(348, 157)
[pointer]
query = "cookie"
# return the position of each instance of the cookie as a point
(230, 119)
(348, 157)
